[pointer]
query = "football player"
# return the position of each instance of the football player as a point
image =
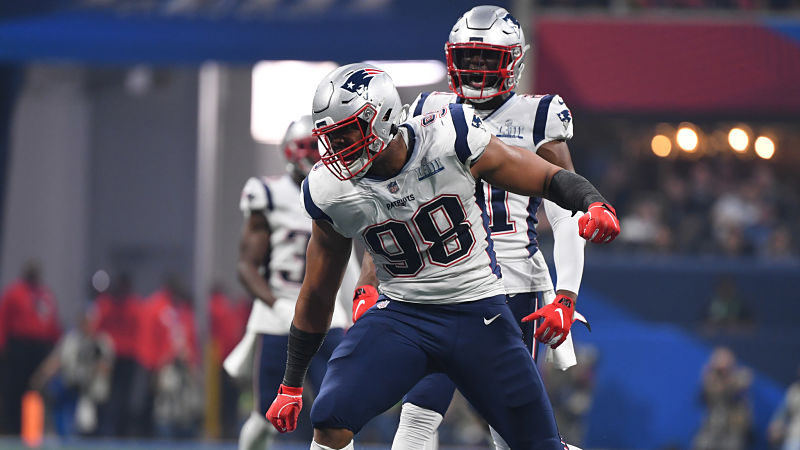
(412, 194)
(272, 260)
(484, 57)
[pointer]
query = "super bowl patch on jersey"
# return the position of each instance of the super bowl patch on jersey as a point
(428, 169)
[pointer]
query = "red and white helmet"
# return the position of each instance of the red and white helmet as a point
(484, 53)
(300, 147)
(356, 111)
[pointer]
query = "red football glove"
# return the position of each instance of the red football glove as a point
(285, 408)
(363, 299)
(557, 320)
(599, 223)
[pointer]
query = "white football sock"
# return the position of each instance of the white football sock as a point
(417, 429)
(315, 446)
(499, 442)
(256, 433)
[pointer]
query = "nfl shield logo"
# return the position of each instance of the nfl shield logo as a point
(393, 187)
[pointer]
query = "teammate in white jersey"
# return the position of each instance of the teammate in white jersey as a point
(272, 260)
(484, 60)
(412, 194)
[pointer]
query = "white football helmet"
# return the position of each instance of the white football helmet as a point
(484, 53)
(300, 147)
(356, 111)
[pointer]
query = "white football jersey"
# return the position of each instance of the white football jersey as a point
(425, 227)
(285, 265)
(528, 122)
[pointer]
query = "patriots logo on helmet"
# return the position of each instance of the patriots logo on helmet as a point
(512, 22)
(358, 81)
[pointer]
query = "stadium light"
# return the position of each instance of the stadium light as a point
(738, 139)
(413, 73)
(687, 139)
(661, 145)
(273, 106)
(765, 147)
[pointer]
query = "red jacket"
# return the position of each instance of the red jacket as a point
(166, 331)
(227, 323)
(120, 320)
(28, 312)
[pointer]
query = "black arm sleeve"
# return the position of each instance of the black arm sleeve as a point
(302, 347)
(572, 192)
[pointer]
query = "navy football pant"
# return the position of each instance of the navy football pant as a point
(477, 344)
(435, 391)
(269, 363)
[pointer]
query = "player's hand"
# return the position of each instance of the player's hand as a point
(557, 318)
(599, 223)
(285, 408)
(363, 299)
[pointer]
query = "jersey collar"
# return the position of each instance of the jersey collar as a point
(411, 149)
(505, 102)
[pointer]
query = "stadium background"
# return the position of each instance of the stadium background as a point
(126, 135)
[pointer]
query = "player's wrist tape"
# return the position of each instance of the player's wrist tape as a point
(302, 348)
(572, 192)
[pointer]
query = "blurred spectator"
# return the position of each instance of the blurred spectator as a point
(642, 224)
(728, 421)
(83, 358)
(779, 244)
(727, 310)
(228, 319)
(784, 429)
(167, 327)
(571, 393)
(228, 322)
(116, 314)
(29, 328)
(179, 400)
(166, 349)
(731, 214)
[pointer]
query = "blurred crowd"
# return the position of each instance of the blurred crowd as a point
(716, 206)
(130, 367)
(638, 5)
